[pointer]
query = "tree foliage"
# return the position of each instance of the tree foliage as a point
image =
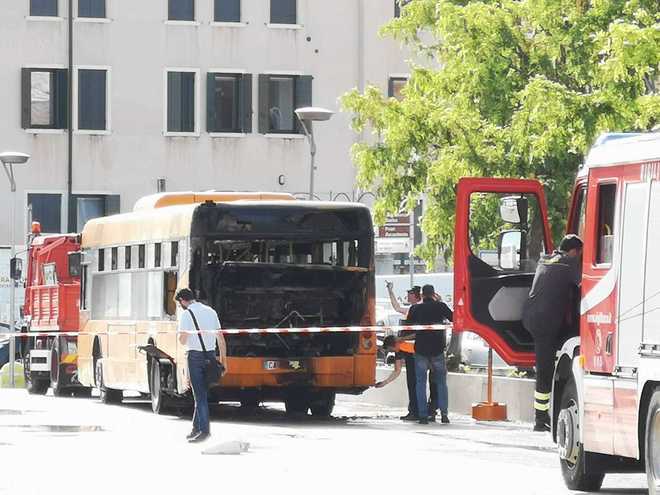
(511, 88)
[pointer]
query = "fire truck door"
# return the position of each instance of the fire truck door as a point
(507, 217)
(631, 275)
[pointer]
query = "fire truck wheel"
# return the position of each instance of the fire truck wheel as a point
(652, 444)
(158, 397)
(571, 451)
(55, 371)
(322, 405)
(107, 395)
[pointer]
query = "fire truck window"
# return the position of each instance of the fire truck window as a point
(113, 259)
(605, 233)
(506, 231)
(101, 260)
(579, 215)
(50, 274)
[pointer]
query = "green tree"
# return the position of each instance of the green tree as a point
(510, 88)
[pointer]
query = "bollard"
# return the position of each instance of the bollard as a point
(489, 410)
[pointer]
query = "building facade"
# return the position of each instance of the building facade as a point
(180, 95)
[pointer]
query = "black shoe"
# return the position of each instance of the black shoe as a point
(200, 437)
(192, 434)
(541, 427)
(423, 421)
(408, 417)
(445, 419)
(432, 418)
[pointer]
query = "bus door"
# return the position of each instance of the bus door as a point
(501, 232)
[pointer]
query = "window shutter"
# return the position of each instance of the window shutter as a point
(303, 97)
(264, 121)
(26, 98)
(245, 103)
(61, 96)
(390, 87)
(211, 119)
(112, 204)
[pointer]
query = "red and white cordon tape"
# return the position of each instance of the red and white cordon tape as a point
(248, 331)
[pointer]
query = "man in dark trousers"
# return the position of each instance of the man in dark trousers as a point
(430, 352)
(544, 315)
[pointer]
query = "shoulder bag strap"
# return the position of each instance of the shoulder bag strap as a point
(199, 335)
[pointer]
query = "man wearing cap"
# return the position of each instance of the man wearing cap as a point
(556, 279)
(406, 348)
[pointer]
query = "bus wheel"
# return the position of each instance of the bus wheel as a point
(107, 395)
(297, 404)
(55, 370)
(322, 405)
(158, 397)
(571, 451)
(652, 443)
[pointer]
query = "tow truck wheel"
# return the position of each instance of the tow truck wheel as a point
(571, 451)
(158, 397)
(652, 444)
(107, 395)
(322, 406)
(55, 371)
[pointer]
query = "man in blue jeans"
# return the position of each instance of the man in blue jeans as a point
(199, 329)
(430, 352)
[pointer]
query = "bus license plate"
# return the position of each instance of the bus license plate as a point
(284, 364)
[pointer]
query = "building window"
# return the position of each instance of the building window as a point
(94, 9)
(227, 11)
(605, 237)
(44, 98)
(283, 12)
(47, 210)
(43, 8)
(181, 10)
(127, 257)
(398, 5)
(101, 260)
(229, 102)
(394, 87)
(141, 256)
(181, 102)
(85, 207)
(279, 96)
(92, 99)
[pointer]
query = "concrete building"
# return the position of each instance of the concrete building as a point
(180, 94)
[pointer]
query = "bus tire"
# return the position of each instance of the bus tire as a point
(572, 455)
(322, 406)
(159, 401)
(106, 395)
(56, 370)
(651, 445)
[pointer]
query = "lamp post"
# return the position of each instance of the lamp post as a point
(9, 159)
(306, 116)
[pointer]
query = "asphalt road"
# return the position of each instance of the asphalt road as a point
(79, 446)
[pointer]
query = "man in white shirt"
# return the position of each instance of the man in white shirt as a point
(191, 335)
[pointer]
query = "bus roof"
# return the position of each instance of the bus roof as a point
(174, 222)
(163, 200)
(620, 148)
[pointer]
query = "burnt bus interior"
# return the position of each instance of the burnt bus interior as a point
(284, 266)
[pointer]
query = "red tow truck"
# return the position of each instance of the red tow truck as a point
(52, 300)
(605, 405)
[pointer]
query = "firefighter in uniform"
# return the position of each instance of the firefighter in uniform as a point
(544, 316)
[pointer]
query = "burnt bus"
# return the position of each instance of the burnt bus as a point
(276, 264)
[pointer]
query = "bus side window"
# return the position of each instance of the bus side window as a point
(174, 253)
(169, 286)
(605, 233)
(141, 256)
(157, 255)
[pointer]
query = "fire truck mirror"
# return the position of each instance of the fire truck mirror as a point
(75, 264)
(508, 249)
(16, 268)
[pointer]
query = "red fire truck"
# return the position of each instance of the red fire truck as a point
(605, 405)
(52, 295)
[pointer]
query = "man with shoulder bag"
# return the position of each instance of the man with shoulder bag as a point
(199, 329)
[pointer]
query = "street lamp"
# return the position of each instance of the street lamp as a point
(307, 115)
(9, 159)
